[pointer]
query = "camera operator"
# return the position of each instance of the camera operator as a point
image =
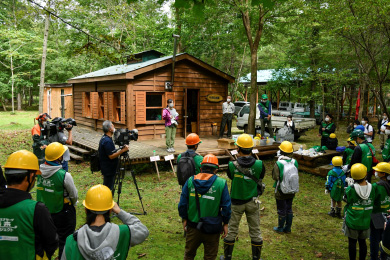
(39, 138)
(108, 155)
(61, 138)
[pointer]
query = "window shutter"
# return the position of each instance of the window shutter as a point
(123, 107)
(140, 107)
(111, 106)
(83, 104)
(105, 97)
(94, 105)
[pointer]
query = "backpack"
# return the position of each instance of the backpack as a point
(373, 131)
(337, 191)
(290, 180)
(95, 162)
(185, 167)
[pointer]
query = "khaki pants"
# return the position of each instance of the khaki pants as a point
(170, 134)
(382, 139)
(269, 125)
(252, 212)
(194, 238)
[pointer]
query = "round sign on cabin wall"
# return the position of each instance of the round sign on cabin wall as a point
(214, 98)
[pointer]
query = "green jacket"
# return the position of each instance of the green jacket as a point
(72, 251)
(243, 187)
(50, 191)
(327, 127)
(209, 202)
(198, 160)
(358, 211)
(386, 151)
(367, 155)
(17, 235)
(382, 199)
(348, 155)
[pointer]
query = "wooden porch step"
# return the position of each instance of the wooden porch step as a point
(76, 157)
(223, 166)
(78, 149)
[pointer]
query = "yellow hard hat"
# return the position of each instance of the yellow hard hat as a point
(351, 141)
(99, 198)
(337, 161)
(358, 171)
(54, 151)
(245, 141)
(388, 124)
(22, 159)
(332, 135)
(382, 167)
(286, 147)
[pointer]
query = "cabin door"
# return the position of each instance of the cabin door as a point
(191, 115)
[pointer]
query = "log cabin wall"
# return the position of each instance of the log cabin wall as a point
(187, 75)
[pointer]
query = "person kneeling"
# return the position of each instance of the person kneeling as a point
(100, 239)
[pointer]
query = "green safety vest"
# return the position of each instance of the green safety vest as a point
(367, 156)
(198, 160)
(337, 191)
(72, 251)
(358, 211)
(382, 200)
(386, 151)
(50, 191)
(17, 236)
(327, 127)
(265, 108)
(348, 151)
(209, 202)
(243, 187)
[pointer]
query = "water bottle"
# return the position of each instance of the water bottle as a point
(301, 149)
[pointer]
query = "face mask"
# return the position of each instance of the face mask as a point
(170, 105)
(387, 131)
(354, 126)
(363, 122)
(327, 119)
(228, 100)
(288, 119)
(377, 176)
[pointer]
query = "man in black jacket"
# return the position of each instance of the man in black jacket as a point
(27, 228)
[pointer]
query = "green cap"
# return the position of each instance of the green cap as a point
(264, 96)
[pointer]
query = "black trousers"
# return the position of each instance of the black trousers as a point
(226, 119)
(284, 207)
(108, 180)
(65, 222)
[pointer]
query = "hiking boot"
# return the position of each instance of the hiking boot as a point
(168, 150)
(338, 212)
(332, 213)
(281, 221)
(287, 227)
(227, 250)
(256, 250)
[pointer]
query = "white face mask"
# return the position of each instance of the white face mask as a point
(228, 100)
(387, 131)
(354, 126)
(288, 119)
(363, 122)
(327, 119)
(377, 176)
(170, 105)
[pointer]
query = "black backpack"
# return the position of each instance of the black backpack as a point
(185, 167)
(373, 131)
(95, 162)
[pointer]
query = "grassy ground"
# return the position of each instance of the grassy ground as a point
(314, 233)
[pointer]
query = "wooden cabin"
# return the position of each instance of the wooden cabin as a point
(134, 95)
(57, 100)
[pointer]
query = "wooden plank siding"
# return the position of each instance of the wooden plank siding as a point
(187, 75)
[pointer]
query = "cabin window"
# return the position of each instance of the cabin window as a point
(154, 106)
(101, 104)
(87, 109)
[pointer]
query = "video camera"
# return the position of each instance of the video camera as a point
(123, 136)
(58, 124)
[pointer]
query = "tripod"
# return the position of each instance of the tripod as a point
(124, 160)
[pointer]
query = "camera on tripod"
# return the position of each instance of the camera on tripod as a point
(124, 136)
(58, 124)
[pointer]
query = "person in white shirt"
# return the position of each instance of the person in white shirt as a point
(290, 123)
(368, 129)
(381, 129)
(227, 110)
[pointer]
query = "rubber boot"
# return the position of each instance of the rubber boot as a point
(289, 219)
(338, 212)
(227, 250)
(332, 213)
(256, 250)
(281, 221)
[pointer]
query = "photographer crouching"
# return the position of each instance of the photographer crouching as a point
(108, 155)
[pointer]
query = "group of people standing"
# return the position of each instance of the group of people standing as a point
(208, 210)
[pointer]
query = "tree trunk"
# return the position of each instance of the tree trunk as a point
(3, 103)
(312, 102)
(43, 64)
(254, 90)
(19, 102)
(350, 106)
(12, 85)
(362, 92)
(30, 99)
